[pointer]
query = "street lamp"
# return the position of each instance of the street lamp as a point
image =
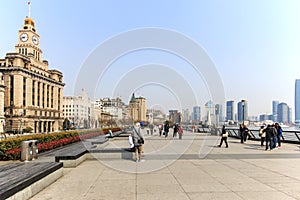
(243, 107)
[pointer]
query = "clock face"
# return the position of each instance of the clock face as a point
(35, 40)
(24, 37)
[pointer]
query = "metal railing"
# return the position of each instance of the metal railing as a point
(253, 134)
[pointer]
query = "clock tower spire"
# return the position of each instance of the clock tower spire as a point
(28, 8)
(29, 39)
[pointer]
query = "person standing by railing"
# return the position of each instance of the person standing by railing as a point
(262, 135)
(241, 133)
(279, 134)
(245, 133)
(270, 134)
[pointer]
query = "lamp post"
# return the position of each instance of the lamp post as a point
(243, 107)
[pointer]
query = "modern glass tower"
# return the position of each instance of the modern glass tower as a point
(242, 110)
(230, 110)
(275, 110)
(283, 113)
(197, 113)
(297, 101)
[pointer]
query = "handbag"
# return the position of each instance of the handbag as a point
(141, 140)
(225, 134)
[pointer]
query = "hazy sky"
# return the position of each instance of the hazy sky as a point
(254, 45)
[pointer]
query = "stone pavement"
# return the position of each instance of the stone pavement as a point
(192, 168)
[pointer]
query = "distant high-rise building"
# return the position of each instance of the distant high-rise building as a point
(242, 110)
(185, 115)
(230, 110)
(219, 110)
(283, 113)
(290, 115)
(174, 116)
(297, 101)
(197, 114)
(275, 110)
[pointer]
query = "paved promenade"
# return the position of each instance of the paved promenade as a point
(192, 168)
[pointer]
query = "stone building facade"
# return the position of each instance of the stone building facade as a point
(33, 93)
(137, 109)
(79, 110)
(2, 90)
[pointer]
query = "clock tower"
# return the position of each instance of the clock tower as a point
(32, 92)
(29, 41)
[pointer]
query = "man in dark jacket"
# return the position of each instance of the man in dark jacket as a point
(270, 134)
(166, 129)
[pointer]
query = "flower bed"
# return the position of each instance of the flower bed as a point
(10, 149)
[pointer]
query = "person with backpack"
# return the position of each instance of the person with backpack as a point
(138, 141)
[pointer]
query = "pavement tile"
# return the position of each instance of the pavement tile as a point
(204, 187)
(265, 195)
(214, 196)
(239, 172)
(163, 196)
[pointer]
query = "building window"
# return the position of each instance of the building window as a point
(38, 93)
(58, 99)
(43, 95)
(48, 96)
(52, 88)
(11, 90)
(33, 95)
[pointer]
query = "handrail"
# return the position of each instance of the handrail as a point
(287, 135)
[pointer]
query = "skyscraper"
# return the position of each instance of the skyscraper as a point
(242, 110)
(230, 110)
(275, 110)
(197, 113)
(283, 113)
(185, 115)
(297, 101)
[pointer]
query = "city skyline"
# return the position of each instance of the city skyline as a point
(254, 49)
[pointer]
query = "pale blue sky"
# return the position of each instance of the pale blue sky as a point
(255, 45)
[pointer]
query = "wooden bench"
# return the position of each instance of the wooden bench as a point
(73, 155)
(100, 140)
(24, 180)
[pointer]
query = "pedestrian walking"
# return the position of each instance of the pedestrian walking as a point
(180, 132)
(175, 129)
(166, 129)
(160, 129)
(138, 141)
(224, 137)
